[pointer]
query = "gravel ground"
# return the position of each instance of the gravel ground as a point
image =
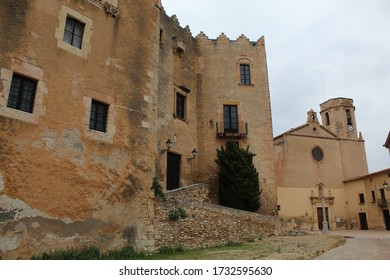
(305, 247)
(360, 245)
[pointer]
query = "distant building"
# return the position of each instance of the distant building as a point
(329, 159)
(369, 200)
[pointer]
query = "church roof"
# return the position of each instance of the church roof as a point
(304, 130)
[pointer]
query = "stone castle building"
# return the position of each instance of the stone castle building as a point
(96, 99)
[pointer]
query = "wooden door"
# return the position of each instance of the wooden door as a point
(320, 217)
(386, 216)
(173, 171)
(363, 221)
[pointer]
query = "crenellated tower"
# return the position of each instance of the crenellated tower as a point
(234, 106)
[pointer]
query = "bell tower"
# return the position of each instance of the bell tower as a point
(338, 115)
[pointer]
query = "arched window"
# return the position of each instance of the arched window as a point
(349, 119)
(327, 119)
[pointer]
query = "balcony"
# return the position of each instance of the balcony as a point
(232, 130)
(382, 203)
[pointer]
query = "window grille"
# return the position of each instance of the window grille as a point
(98, 117)
(22, 93)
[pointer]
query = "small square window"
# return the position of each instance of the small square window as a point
(245, 75)
(73, 33)
(98, 116)
(22, 93)
(180, 106)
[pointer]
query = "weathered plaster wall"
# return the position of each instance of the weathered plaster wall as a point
(207, 224)
(61, 184)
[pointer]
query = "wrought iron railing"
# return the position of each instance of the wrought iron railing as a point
(383, 203)
(232, 130)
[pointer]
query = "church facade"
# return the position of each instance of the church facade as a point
(321, 171)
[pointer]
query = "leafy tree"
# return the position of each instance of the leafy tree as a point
(238, 178)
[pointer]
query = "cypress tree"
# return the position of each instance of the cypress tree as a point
(238, 178)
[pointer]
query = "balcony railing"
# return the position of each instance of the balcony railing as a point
(383, 203)
(232, 130)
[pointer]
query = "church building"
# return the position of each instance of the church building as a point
(321, 169)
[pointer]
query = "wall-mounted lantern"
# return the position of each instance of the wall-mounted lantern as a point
(194, 155)
(169, 144)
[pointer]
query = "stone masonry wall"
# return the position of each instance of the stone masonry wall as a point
(207, 224)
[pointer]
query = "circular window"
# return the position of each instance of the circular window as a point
(317, 153)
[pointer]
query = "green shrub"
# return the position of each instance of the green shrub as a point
(126, 253)
(90, 253)
(174, 215)
(157, 188)
(182, 213)
(233, 244)
(238, 178)
(167, 250)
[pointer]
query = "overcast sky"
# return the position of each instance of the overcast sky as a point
(316, 50)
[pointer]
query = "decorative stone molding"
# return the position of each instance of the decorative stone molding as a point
(329, 200)
(178, 46)
(111, 9)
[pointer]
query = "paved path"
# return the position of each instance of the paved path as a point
(360, 245)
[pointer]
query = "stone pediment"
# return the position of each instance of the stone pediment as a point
(312, 129)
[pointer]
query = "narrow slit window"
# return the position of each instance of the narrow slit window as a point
(361, 198)
(180, 106)
(373, 196)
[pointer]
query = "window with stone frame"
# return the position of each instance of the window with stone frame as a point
(22, 93)
(245, 75)
(73, 33)
(180, 106)
(98, 116)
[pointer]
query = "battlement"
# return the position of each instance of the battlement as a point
(224, 40)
